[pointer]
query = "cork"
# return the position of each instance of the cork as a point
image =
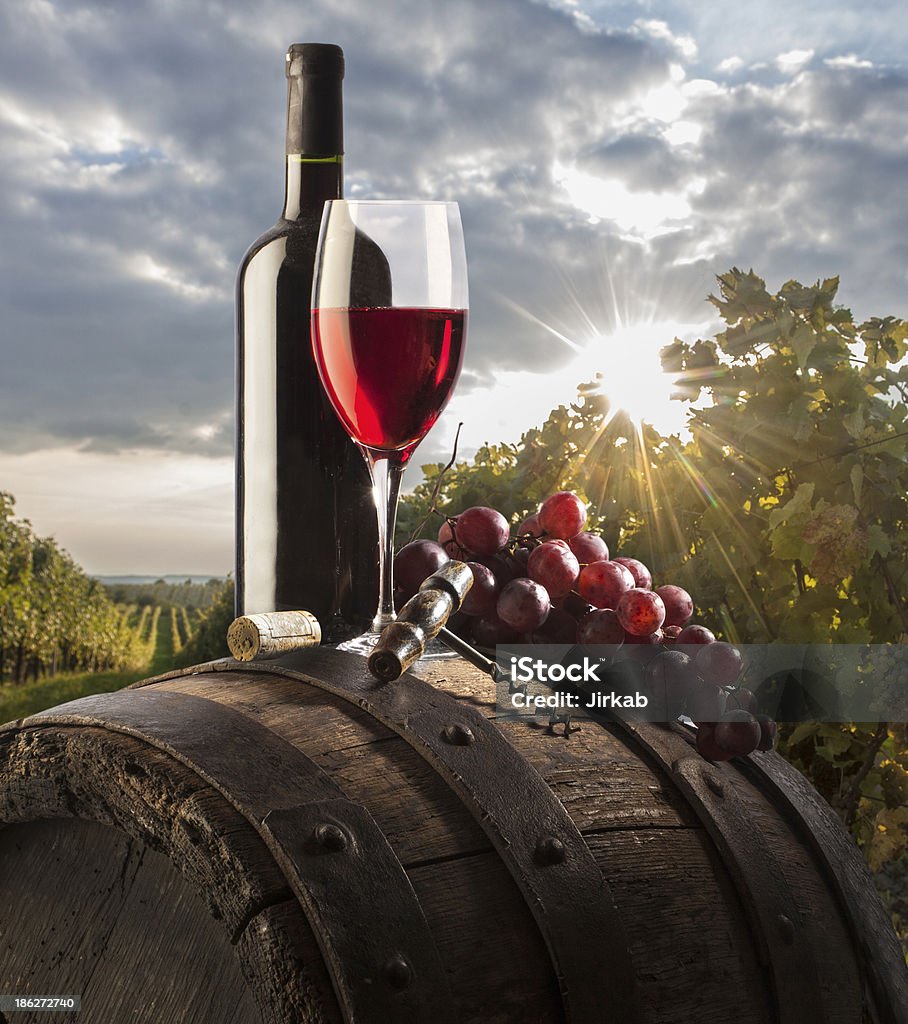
(270, 634)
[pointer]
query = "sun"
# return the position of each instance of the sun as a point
(631, 374)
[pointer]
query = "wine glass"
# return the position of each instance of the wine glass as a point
(389, 318)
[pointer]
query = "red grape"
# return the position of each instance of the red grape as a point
(643, 578)
(482, 530)
(679, 605)
(769, 730)
(719, 663)
(707, 746)
(670, 634)
(742, 699)
(554, 566)
(519, 559)
(574, 605)
(562, 515)
(489, 631)
(589, 547)
(483, 595)
(600, 626)
(558, 628)
(640, 611)
(737, 732)
(705, 703)
(447, 541)
(530, 526)
(523, 605)
(603, 583)
(696, 635)
(646, 639)
(670, 676)
(676, 669)
(415, 562)
(504, 568)
(642, 648)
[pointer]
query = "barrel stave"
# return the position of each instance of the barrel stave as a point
(113, 922)
(818, 914)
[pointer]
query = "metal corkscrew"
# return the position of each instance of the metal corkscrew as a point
(404, 641)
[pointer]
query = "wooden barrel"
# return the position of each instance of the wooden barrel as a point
(298, 843)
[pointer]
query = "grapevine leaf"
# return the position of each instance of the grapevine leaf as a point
(878, 542)
(857, 482)
(853, 422)
(802, 732)
(803, 342)
(801, 502)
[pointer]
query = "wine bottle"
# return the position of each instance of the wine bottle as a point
(306, 532)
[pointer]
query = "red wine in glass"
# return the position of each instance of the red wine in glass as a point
(389, 371)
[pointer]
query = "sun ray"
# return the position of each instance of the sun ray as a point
(522, 311)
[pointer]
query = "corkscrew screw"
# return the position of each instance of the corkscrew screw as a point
(404, 641)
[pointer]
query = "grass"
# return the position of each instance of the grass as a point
(19, 701)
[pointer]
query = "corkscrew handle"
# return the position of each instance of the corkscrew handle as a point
(404, 641)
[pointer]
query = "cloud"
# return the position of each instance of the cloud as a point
(730, 65)
(132, 177)
(684, 46)
(793, 61)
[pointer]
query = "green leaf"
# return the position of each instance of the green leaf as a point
(801, 502)
(787, 541)
(857, 482)
(878, 542)
(854, 422)
(830, 286)
(803, 342)
(802, 732)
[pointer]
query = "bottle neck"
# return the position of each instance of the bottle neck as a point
(309, 182)
(315, 140)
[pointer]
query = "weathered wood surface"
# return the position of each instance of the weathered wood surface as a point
(848, 875)
(694, 943)
(111, 920)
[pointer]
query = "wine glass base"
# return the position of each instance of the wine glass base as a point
(363, 644)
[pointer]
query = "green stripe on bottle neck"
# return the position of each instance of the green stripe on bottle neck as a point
(338, 158)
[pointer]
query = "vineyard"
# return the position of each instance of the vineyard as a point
(63, 633)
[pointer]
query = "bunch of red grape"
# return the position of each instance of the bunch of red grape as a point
(554, 583)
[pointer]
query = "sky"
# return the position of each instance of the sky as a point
(609, 160)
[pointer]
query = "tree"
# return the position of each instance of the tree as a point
(52, 616)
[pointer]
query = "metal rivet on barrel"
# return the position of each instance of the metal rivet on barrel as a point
(458, 735)
(398, 972)
(332, 837)
(713, 784)
(549, 850)
(786, 929)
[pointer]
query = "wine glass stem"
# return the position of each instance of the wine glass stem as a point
(387, 472)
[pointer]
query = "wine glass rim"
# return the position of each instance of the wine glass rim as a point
(391, 202)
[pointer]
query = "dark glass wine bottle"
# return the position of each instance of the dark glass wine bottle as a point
(306, 535)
